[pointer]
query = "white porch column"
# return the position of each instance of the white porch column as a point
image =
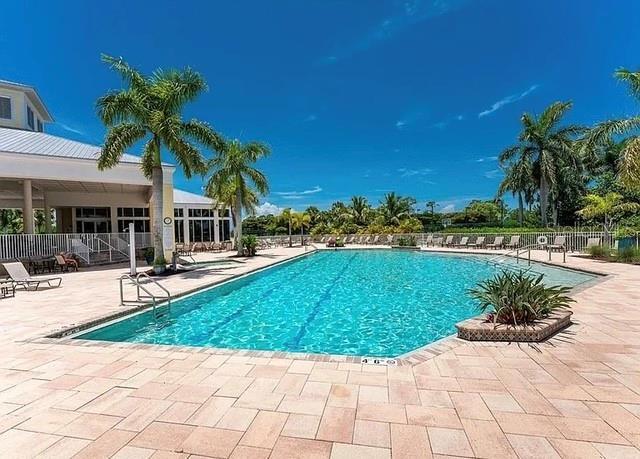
(27, 207)
(113, 211)
(216, 225)
(185, 226)
(47, 215)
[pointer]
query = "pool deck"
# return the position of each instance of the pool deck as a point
(576, 395)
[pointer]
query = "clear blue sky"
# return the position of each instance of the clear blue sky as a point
(354, 97)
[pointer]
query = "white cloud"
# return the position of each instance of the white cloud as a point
(492, 174)
(310, 118)
(414, 172)
(508, 100)
(400, 124)
(408, 14)
(448, 208)
(268, 209)
(486, 159)
(298, 194)
(66, 127)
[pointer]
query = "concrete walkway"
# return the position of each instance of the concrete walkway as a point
(577, 395)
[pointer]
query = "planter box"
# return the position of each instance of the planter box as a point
(478, 329)
(405, 247)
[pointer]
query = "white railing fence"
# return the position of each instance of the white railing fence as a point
(575, 241)
(85, 245)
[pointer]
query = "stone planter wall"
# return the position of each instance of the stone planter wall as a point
(478, 329)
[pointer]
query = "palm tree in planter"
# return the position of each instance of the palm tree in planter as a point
(606, 208)
(600, 134)
(150, 109)
(300, 220)
(548, 146)
(234, 168)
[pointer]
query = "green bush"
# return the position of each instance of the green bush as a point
(628, 255)
(515, 298)
(249, 244)
(599, 251)
(407, 241)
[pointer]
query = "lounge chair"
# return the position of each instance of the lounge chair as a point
(429, 240)
(21, 277)
(375, 240)
(593, 242)
(514, 242)
(478, 244)
(438, 241)
(448, 241)
(463, 242)
(558, 244)
(497, 243)
(389, 239)
(367, 240)
(65, 263)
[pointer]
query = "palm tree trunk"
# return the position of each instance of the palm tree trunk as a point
(520, 209)
(302, 235)
(157, 197)
(290, 240)
(239, 247)
(544, 199)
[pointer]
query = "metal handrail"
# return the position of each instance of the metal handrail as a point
(517, 252)
(139, 298)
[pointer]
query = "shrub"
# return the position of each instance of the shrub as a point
(515, 298)
(599, 251)
(249, 244)
(628, 255)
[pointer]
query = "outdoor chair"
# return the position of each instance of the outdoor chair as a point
(514, 242)
(463, 242)
(478, 244)
(448, 242)
(429, 240)
(497, 243)
(593, 242)
(389, 239)
(64, 263)
(558, 244)
(21, 277)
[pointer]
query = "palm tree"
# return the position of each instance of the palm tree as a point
(233, 168)
(548, 146)
(225, 197)
(601, 133)
(518, 179)
(359, 209)
(395, 208)
(300, 220)
(287, 215)
(150, 108)
(607, 208)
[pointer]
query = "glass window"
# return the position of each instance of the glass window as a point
(40, 129)
(30, 117)
(178, 230)
(5, 108)
(179, 213)
(206, 230)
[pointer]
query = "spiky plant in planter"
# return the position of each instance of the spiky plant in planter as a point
(518, 299)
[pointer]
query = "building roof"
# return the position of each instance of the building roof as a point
(39, 143)
(33, 95)
(184, 197)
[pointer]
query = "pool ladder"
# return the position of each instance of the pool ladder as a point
(148, 295)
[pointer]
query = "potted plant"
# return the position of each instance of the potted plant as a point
(159, 265)
(149, 255)
(249, 245)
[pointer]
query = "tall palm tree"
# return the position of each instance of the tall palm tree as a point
(359, 209)
(301, 220)
(150, 108)
(225, 197)
(287, 216)
(233, 167)
(395, 208)
(548, 145)
(629, 163)
(518, 180)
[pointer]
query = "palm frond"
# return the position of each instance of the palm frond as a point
(119, 138)
(128, 73)
(629, 167)
(632, 79)
(119, 107)
(203, 134)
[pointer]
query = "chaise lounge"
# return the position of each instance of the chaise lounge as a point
(21, 277)
(497, 243)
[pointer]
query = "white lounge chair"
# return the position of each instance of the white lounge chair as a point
(558, 243)
(448, 241)
(497, 243)
(463, 242)
(478, 244)
(514, 242)
(21, 277)
(593, 242)
(429, 240)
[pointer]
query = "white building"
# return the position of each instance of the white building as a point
(42, 171)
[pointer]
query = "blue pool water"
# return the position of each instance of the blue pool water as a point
(357, 302)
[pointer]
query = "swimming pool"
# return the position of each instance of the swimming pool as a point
(352, 302)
